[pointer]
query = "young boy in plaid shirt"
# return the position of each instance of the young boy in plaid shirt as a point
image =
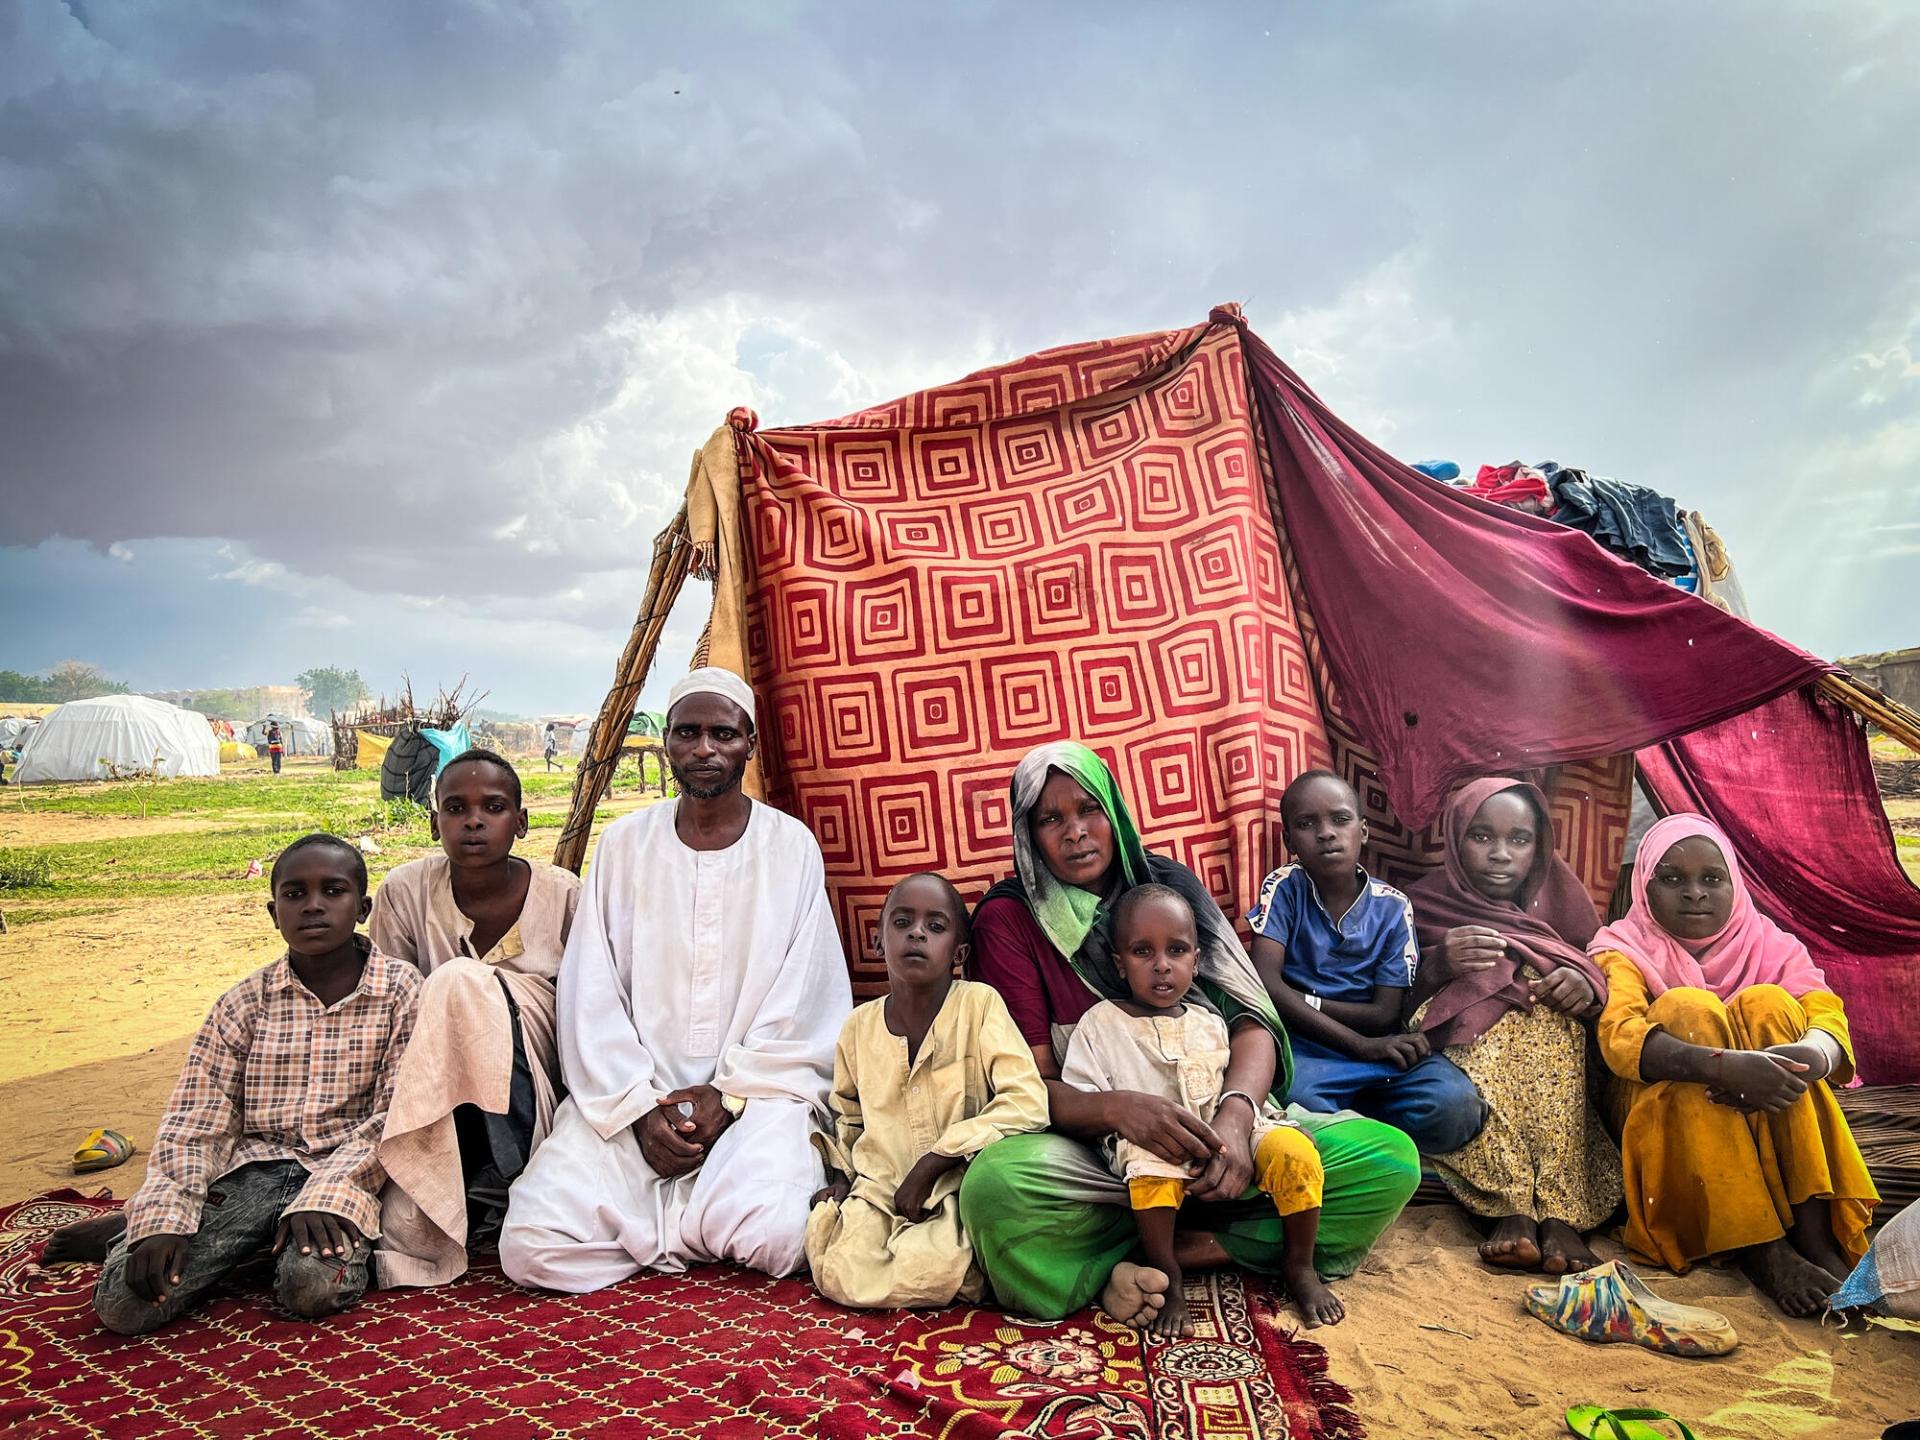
(269, 1137)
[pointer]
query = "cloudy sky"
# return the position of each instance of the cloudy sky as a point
(380, 335)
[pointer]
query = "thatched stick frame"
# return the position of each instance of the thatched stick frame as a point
(672, 555)
(1869, 704)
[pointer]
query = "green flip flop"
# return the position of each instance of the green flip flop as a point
(1596, 1422)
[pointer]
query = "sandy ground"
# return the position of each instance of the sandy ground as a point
(98, 1009)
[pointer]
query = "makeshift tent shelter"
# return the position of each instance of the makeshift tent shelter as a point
(1166, 546)
(118, 735)
(14, 730)
(645, 725)
(300, 734)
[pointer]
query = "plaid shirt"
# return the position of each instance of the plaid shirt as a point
(273, 1075)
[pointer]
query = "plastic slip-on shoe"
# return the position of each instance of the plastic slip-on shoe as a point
(102, 1150)
(1609, 1304)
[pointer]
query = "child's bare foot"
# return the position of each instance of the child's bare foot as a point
(1318, 1305)
(1134, 1294)
(1812, 1235)
(1562, 1251)
(1513, 1245)
(83, 1240)
(1788, 1278)
(1173, 1320)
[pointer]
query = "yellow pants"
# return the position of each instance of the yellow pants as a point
(1286, 1168)
(1703, 1179)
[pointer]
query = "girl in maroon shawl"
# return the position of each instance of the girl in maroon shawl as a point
(1503, 926)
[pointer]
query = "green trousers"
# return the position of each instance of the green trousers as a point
(1049, 1220)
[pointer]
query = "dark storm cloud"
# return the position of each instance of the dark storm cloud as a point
(478, 277)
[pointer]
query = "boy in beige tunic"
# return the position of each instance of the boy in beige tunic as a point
(487, 929)
(923, 1079)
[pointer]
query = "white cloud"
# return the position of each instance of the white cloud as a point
(121, 551)
(318, 617)
(255, 572)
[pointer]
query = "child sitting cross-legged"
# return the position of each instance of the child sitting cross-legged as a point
(924, 1078)
(1158, 1044)
(269, 1137)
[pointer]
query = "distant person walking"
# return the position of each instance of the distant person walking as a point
(553, 745)
(276, 748)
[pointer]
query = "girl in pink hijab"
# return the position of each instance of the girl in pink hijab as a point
(1727, 1043)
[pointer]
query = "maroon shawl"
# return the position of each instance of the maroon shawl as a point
(1548, 925)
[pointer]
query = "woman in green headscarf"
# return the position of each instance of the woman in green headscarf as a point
(1049, 1222)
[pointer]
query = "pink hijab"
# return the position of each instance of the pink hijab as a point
(1751, 950)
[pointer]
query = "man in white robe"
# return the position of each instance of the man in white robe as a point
(701, 995)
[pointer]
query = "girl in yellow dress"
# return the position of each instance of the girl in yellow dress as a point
(1727, 1044)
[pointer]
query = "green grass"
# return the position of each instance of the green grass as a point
(1907, 847)
(25, 869)
(263, 794)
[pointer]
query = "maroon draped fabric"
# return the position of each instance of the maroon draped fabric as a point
(1470, 639)
(1792, 785)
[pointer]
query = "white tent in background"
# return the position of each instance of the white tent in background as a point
(91, 739)
(300, 735)
(14, 730)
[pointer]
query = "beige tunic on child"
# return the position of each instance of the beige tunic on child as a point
(1182, 1058)
(973, 1082)
(462, 1049)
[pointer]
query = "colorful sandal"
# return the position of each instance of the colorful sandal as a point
(102, 1150)
(1586, 1421)
(1609, 1304)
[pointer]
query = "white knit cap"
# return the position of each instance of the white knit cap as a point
(712, 680)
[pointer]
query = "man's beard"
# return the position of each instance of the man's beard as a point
(707, 792)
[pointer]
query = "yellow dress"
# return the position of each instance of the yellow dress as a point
(973, 1082)
(1703, 1179)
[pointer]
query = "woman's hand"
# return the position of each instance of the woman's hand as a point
(1467, 949)
(1177, 1136)
(1752, 1081)
(1230, 1170)
(1566, 990)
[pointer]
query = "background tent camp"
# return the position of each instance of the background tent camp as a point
(643, 725)
(118, 735)
(1165, 545)
(300, 734)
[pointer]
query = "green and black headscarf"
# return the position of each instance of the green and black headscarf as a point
(1078, 922)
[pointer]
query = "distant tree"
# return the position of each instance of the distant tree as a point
(78, 680)
(28, 689)
(224, 704)
(330, 688)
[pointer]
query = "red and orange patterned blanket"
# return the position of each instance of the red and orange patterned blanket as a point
(715, 1353)
(1080, 544)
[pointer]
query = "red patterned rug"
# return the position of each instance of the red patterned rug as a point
(715, 1353)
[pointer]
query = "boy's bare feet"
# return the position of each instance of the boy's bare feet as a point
(1514, 1244)
(1172, 1321)
(1787, 1277)
(84, 1240)
(1134, 1294)
(1318, 1305)
(1562, 1251)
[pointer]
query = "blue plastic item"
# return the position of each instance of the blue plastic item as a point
(448, 743)
(1438, 469)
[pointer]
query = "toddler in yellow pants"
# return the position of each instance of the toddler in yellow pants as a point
(1162, 1043)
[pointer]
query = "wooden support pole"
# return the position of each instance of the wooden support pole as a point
(672, 554)
(1868, 703)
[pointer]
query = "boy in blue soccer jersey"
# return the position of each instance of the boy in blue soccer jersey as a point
(1336, 950)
